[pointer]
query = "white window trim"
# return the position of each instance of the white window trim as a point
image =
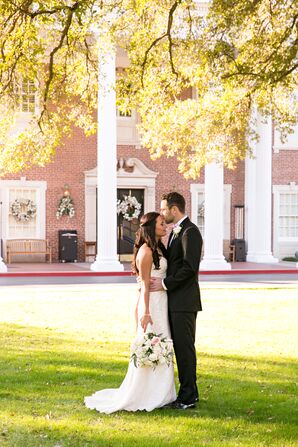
(277, 189)
(24, 119)
(40, 186)
(22, 93)
(25, 115)
(196, 188)
(128, 123)
(131, 117)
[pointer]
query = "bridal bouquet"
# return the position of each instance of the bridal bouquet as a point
(152, 350)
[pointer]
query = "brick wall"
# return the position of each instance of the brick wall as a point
(285, 167)
(79, 155)
(68, 166)
(168, 178)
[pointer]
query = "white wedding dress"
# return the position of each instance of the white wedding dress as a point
(143, 388)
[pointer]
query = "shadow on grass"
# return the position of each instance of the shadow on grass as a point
(44, 372)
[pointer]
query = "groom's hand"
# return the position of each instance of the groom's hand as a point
(139, 282)
(156, 284)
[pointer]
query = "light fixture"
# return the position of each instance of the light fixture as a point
(66, 190)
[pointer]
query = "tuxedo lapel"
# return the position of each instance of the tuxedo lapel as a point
(169, 240)
(176, 238)
(185, 222)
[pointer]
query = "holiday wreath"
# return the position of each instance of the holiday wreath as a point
(129, 207)
(66, 207)
(23, 210)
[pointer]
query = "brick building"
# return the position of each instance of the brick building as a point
(250, 193)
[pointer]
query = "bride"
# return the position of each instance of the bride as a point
(144, 388)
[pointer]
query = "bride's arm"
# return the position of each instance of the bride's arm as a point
(145, 265)
(136, 311)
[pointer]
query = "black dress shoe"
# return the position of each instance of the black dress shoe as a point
(182, 406)
(178, 405)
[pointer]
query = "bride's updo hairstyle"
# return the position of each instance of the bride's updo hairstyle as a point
(146, 235)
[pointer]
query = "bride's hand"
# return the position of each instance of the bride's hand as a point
(145, 320)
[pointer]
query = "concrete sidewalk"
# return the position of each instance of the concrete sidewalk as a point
(83, 269)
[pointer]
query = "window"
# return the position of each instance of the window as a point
(19, 229)
(127, 114)
(201, 213)
(288, 215)
(27, 96)
(198, 207)
(12, 227)
(127, 131)
(285, 220)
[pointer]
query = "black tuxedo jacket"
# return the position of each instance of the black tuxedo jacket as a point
(184, 255)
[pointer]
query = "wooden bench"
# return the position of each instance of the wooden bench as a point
(28, 247)
(90, 249)
(232, 253)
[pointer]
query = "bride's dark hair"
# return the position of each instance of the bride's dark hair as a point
(146, 235)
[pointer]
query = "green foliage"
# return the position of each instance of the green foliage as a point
(49, 43)
(242, 54)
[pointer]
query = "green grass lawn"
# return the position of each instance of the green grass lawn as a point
(61, 343)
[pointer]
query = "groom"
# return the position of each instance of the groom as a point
(183, 254)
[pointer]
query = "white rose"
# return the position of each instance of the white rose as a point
(176, 231)
(139, 351)
(153, 357)
(157, 350)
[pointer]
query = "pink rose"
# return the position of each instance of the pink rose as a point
(155, 340)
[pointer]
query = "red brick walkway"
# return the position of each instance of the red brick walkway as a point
(81, 269)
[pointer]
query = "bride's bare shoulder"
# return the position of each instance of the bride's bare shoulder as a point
(145, 251)
(144, 254)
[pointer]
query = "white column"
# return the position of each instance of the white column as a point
(258, 195)
(3, 268)
(106, 259)
(214, 219)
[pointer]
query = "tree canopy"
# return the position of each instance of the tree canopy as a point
(240, 55)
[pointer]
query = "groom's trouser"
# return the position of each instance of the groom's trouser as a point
(183, 330)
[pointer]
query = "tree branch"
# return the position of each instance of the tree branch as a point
(284, 74)
(52, 56)
(25, 9)
(155, 42)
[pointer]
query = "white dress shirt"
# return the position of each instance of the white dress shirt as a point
(171, 240)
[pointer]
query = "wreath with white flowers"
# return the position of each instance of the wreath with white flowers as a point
(66, 207)
(129, 207)
(23, 210)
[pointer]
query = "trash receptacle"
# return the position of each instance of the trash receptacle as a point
(68, 245)
(240, 255)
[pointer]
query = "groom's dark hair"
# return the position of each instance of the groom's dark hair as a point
(175, 199)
